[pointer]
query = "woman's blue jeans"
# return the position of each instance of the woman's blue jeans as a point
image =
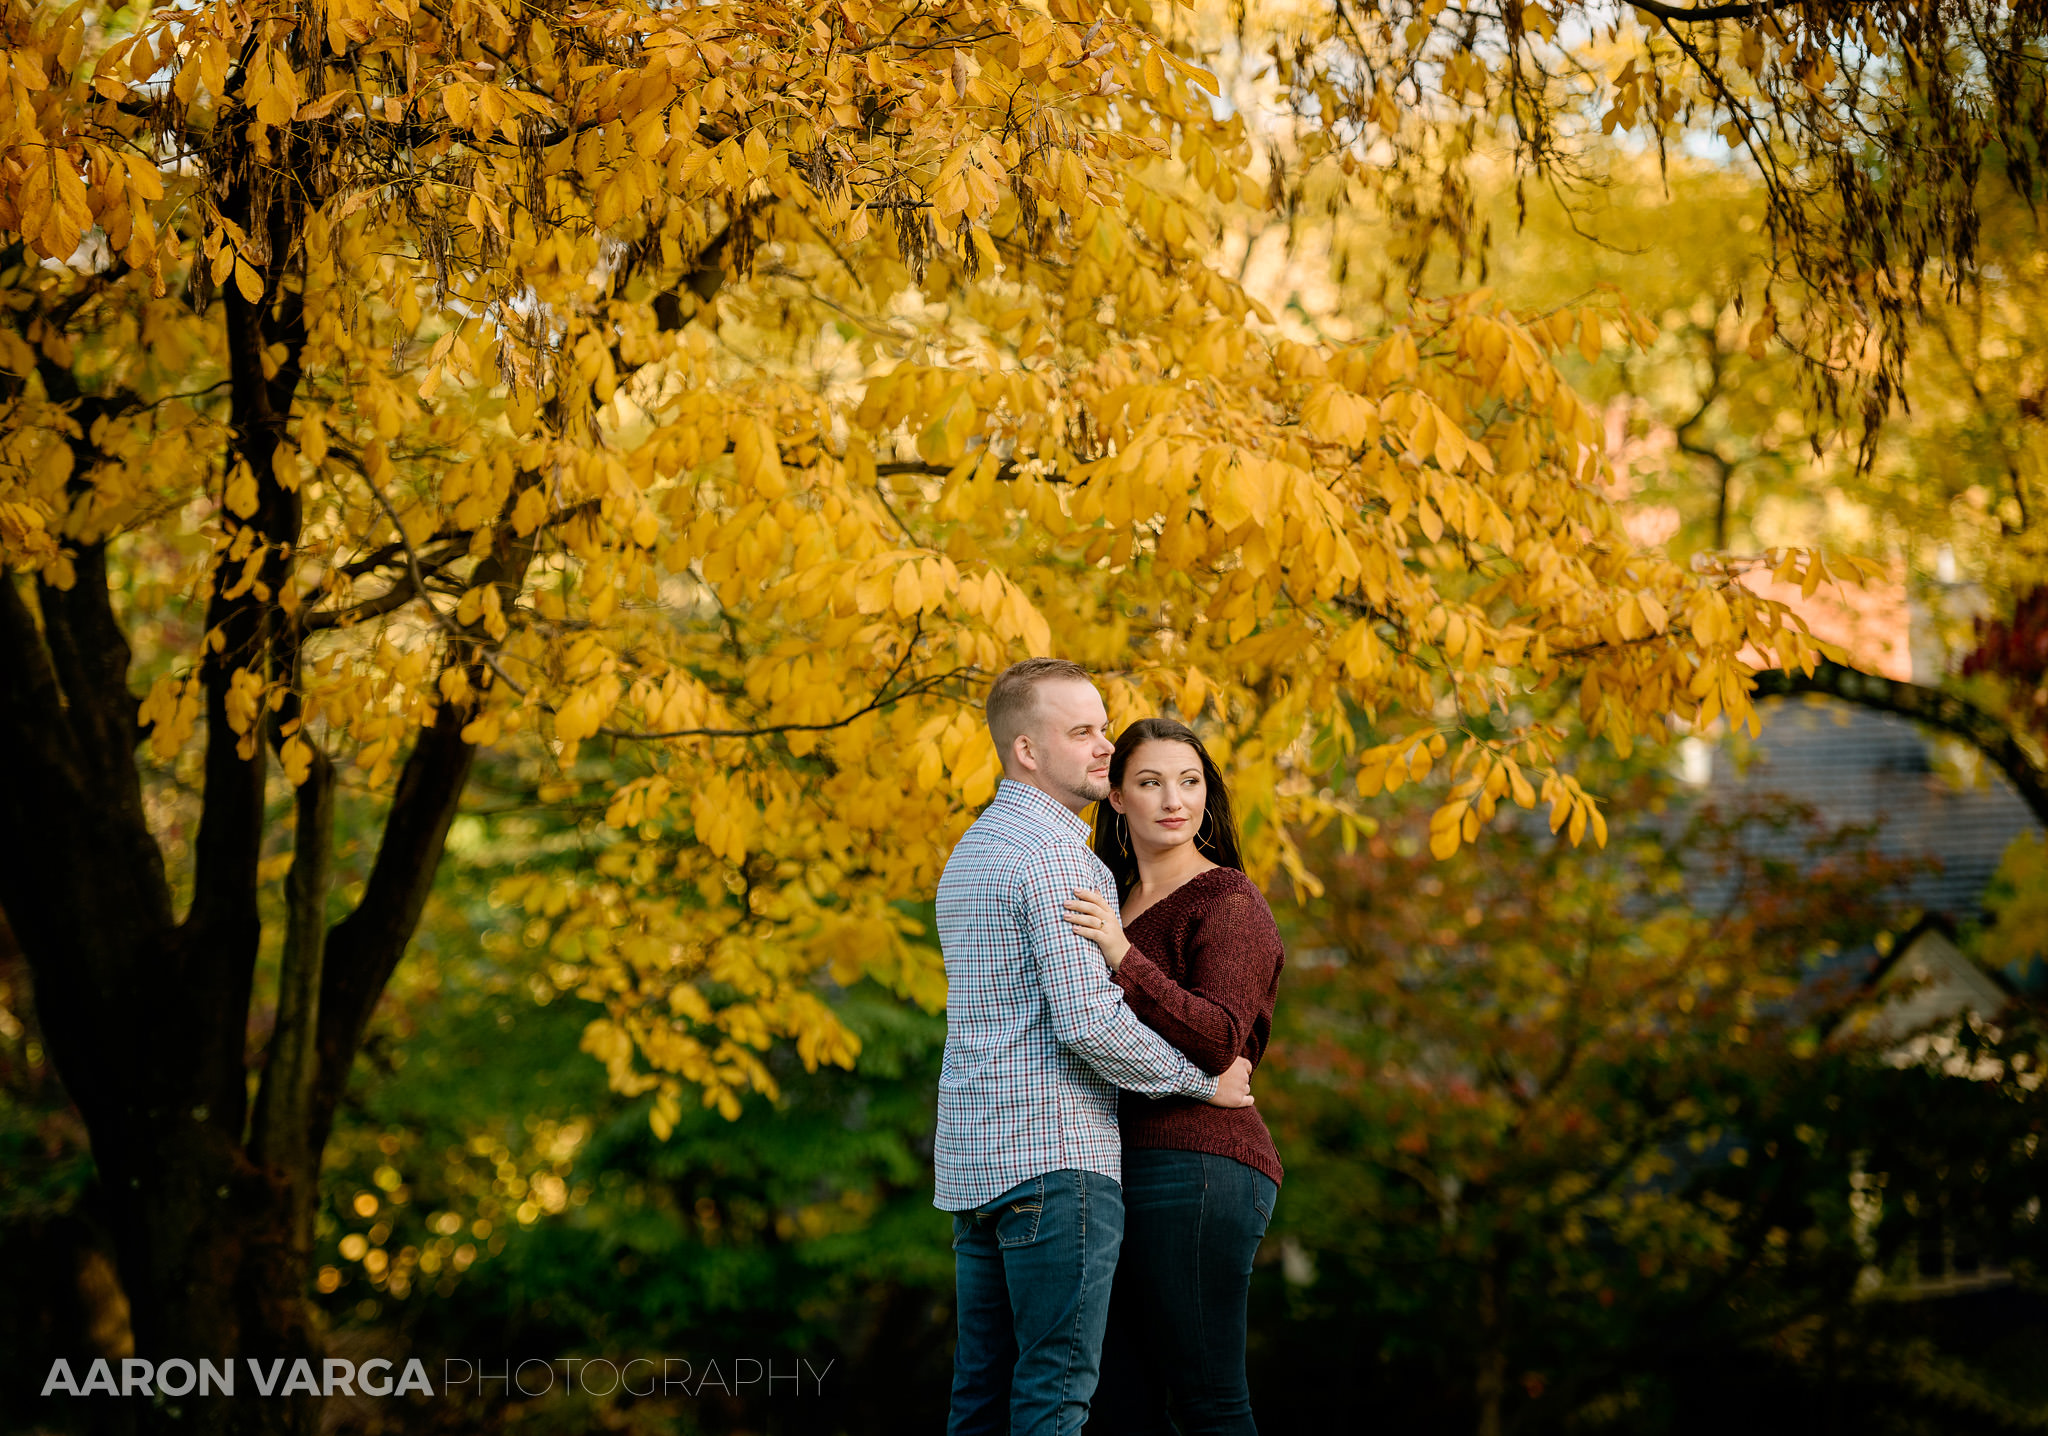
(1192, 1224)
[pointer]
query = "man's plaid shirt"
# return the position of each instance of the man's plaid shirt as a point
(1038, 1039)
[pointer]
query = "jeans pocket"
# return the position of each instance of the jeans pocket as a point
(1018, 1215)
(1268, 1195)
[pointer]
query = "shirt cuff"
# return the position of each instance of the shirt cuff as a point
(1203, 1085)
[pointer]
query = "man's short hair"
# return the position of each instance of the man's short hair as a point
(1013, 697)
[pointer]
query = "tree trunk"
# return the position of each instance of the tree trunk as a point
(1491, 1383)
(145, 1014)
(210, 1254)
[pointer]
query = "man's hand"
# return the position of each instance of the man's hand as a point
(1234, 1087)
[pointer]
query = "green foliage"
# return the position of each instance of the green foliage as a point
(511, 1202)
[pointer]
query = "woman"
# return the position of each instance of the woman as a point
(1198, 957)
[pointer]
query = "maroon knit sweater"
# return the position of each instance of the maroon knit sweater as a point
(1202, 971)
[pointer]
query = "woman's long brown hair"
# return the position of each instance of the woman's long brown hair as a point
(1215, 838)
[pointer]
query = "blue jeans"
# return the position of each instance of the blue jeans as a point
(1033, 1271)
(1193, 1223)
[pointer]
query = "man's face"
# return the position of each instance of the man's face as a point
(1068, 745)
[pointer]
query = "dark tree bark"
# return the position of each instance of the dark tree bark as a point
(145, 1016)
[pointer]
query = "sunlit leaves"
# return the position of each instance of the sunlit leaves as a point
(705, 404)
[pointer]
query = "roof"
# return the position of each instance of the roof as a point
(1857, 766)
(1936, 935)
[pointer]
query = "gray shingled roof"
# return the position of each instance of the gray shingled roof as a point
(1858, 766)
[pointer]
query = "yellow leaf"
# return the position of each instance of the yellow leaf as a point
(1444, 837)
(1418, 762)
(143, 178)
(1629, 619)
(908, 593)
(1153, 72)
(1451, 447)
(1519, 789)
(1712, 624)
(1226, 491)
(530, 512)
(944, 439)
(1816, 571)
(757, 458)
(241, 495)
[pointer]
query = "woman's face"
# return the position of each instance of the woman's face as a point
(1163, 795)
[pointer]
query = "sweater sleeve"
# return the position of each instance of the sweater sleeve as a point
(1087, 1016)
(1234, 958)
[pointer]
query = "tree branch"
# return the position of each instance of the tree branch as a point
(1008, 470)
(1990, 736)
(402, 591)
(91, 655)
(246, 630)
(284, 1101)
(32, 701)
(71, 921)
(1707, 14)
(704, 278)
(364, 948)
(882, 699)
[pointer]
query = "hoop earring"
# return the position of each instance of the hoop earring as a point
(1123, 835)
(1202, 829)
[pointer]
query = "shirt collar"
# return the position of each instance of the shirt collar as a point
(1043, 805)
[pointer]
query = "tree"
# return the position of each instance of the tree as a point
(395, 382)
(1724, 446)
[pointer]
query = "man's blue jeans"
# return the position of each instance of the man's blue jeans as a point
(1033, 1270)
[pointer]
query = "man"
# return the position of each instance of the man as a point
(1038, 1040)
